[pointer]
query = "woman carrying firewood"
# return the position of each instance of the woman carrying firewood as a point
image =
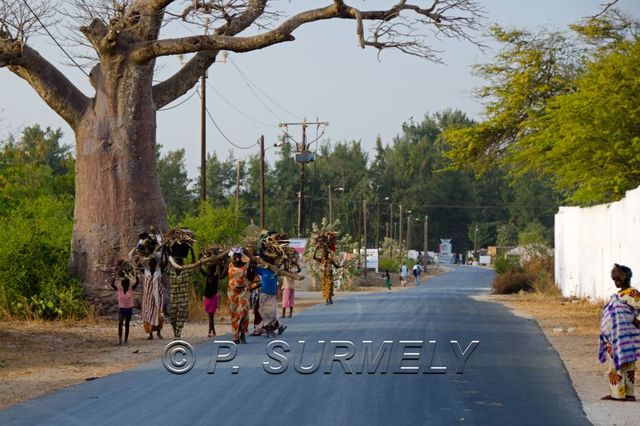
(152, 299)
(238, 297)
(327, 263)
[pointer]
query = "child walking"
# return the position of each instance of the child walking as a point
(125, 305)
(213, 274)
(288, 296)
(387, 279)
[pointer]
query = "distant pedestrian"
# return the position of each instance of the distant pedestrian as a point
(387, 279)
(416, 273)
(125, 304)
(620, 336)
(404, 274)
(288, 296)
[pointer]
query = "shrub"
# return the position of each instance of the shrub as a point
(513, 281)
(34, 276)
(506, 263)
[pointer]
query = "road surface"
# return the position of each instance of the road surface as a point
(513, 376)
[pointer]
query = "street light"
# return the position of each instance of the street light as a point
(340, 188)
(475, 242)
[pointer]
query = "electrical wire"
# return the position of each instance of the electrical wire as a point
(260, 90)
(177, 105)
(248, 84)
(220, 130)
(44, 27)
(238, 110)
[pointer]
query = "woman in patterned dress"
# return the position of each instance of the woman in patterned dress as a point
(152, 299)
(620, 336)
(238, 297)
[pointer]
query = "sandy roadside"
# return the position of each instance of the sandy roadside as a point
(572, 327)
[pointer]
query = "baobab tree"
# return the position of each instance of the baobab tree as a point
(117, 190)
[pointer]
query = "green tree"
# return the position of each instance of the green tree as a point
(172, 173)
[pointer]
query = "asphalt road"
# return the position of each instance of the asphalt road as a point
(513, 376)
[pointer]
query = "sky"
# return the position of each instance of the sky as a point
(322, 75)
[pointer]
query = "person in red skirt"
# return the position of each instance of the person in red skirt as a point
(213, 273)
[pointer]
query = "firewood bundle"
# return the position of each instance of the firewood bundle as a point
(212, 252)
(326, 242)
(273, 247)
(149, 243)
(124, 269)
(179, 242)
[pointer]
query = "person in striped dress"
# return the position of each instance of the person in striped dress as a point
(152, 299)
(620, 336)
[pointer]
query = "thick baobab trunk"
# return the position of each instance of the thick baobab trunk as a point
(117, 189)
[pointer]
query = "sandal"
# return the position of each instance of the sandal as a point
(610, 398)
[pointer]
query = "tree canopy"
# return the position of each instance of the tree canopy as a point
(562, 108)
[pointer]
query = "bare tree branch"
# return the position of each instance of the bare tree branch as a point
(451, 26)
(605, 8)
(52, 86)
(178, 84)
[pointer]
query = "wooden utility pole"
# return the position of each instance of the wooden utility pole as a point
(426, 237)
(303, 157)
(330, 212)
(409, 232)
(391, 229)
(238, 185)
(262, 182)
(364, 228)
(359, 229)
(378, 224)
(203, 129)
(400, 232)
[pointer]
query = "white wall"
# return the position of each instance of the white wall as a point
(589, 240)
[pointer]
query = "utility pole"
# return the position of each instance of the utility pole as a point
(475, 242)
(203, 128)
(262, 182)
(400, 232)
(238, 185)
(359, 229)
(378, 223)
(364, 226)
(302, 156)
(426, 237)
(330, 213)
(391, 226)
(409, 231)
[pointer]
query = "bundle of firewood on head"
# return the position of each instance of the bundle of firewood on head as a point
(149, 244)
(326, 243)
(123, 269)
(271, 250)
(178, 243)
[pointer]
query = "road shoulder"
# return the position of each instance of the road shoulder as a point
(572, 327)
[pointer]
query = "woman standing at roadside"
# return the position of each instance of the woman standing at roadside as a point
(620, 336)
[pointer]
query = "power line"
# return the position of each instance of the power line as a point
(44, 27)
(238, 110)
(221, 132)
(176, 106)
(250, 83)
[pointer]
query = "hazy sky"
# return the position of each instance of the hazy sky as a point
(322, 74)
